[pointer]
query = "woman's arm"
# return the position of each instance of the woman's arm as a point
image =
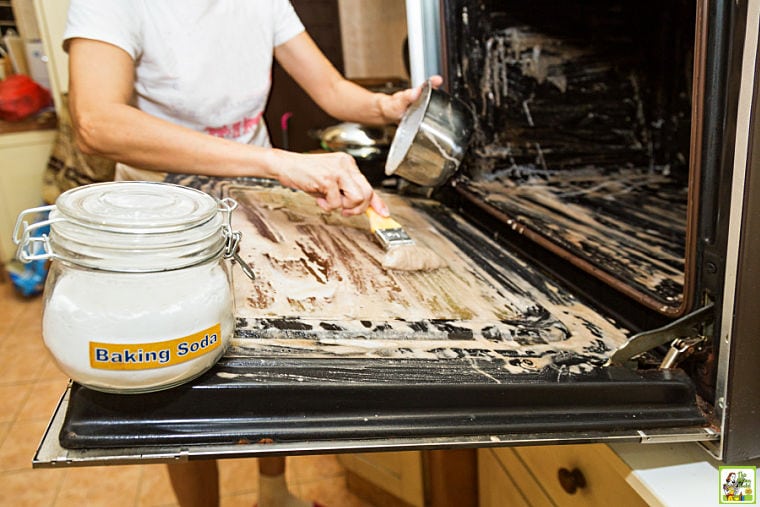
(340, 98)
(100, 91)
(101, 85)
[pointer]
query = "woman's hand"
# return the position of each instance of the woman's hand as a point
(393, 107)
(333, 178)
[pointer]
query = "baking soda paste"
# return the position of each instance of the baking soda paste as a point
(137, 332)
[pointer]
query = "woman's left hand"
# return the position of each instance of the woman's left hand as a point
(394, 106)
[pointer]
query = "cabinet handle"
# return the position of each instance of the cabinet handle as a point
(571, 480)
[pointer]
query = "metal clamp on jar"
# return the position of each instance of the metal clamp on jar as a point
(138, 297)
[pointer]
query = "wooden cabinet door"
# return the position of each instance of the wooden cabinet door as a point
(51, 20)
(322, 20)
(505, 480)
(24, 156)
(593, 475)
(397, 473)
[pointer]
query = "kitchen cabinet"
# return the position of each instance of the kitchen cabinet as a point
(51, 19)
(626, 474)
(26, 22)
(444, 478)
(25, 147)
(393, 477)
(363, 27)
(366, 26)
(565, 475)
(24, 157)
(320, 19)
(496, 485)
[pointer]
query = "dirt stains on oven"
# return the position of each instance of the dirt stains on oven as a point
(255, 218)
(629, 222)
(583, 134)
(321, 292)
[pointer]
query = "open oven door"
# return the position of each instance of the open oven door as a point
(333, 353)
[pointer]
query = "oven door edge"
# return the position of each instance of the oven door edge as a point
(738, 385)
(423, 19)
(50, 453)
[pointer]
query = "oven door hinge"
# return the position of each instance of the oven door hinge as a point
(682, 334)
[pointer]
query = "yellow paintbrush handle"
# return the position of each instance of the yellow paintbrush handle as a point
(379, 222)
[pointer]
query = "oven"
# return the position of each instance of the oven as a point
(601, 249)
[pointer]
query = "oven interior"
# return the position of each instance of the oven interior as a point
(584, 132)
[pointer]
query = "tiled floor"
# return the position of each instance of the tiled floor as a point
(30, 385)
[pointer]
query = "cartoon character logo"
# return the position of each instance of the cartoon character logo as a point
(737, 485)
(730, 489)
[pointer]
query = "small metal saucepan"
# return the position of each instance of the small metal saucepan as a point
(431, 139)
(361, 141)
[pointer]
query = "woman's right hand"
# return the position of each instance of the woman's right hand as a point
(333, 178)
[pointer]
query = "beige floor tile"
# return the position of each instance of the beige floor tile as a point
(11, 308)
(4, 430)
(20, 444)
(41, 404)
(100, 487)
(244, 500)
(330, 493)
(30, 488)
(28, 327)
(32, 309)
(238, 476)
(24, 338)
(50, 371)
(19, 367)
(312, 468)
(12, 398)
(155, 487)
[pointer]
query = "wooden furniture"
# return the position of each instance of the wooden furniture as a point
(24, 156)
(25, 146)
(51, 19)
(568, 475)
(321, 19)
(386, 478)
(445, 478)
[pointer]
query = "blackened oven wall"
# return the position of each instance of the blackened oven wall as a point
(574, 84)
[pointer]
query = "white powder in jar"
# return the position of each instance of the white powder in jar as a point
(134, 312)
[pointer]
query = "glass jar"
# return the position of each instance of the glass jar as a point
(138, 297)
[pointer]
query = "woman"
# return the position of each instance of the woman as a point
(181, 86)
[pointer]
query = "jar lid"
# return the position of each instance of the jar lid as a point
(137, 207)
(136, 226)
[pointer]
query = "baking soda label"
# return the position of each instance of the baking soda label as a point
(145, 356)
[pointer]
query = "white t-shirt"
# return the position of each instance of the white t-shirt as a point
(203, 64)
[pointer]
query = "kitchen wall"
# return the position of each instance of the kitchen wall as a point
(373, 33)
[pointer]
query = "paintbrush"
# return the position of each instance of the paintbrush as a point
(387, 231)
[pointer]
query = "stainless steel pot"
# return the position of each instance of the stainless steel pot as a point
(361, 141)
(431, 139)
